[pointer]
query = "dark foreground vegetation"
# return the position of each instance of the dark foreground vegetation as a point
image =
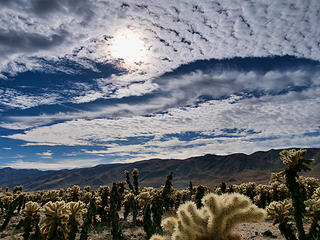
(127, 211)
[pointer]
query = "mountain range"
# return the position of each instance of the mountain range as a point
(209, 170)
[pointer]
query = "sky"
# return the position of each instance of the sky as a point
(84, 83)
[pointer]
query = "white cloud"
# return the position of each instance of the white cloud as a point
(15, 99)
(47, 154)
(61, 164)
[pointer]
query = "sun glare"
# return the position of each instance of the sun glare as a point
(128, 46)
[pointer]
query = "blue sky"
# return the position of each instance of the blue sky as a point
(91, 82)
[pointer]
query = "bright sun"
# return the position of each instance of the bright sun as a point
(128, 46)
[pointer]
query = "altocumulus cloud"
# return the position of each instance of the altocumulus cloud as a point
(196, 30)
(216, 78)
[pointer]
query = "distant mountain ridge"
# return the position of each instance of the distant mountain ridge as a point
(208, 169)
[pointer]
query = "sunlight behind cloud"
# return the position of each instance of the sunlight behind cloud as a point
(128, 46)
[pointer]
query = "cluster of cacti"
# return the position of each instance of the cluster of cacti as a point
(130, 204)
(215, 220)
(12, 206)
(299, 189)
(72, 213)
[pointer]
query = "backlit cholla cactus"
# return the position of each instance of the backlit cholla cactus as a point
(31, 214)
(54, 224)
(73, 193)
(313, 211)
(86, 197)
(262, 195)
(310, 184)
(215, 220)
(76, 211)
(296, 162)
(279, 212)
(51, 195)
(143, 198)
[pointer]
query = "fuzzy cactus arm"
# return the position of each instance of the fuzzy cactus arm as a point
(234, 202)
(200, 217)
(212, 202)
(159, 237)
(169, 224)
(250, 214)
(316, 194)
(188, 225)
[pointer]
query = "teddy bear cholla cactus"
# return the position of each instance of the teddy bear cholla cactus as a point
(215, 220)
(76, 211)
(279, 212)
(54, 225)
(31, 219)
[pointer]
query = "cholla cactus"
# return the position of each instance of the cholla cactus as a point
(313, 211)
(135, 176)
(11, 208)
(52, 195)
(130, 204)
(143, 198)
(310, 184)
(262, 195)
(167, 192)
(86, 197)
(76, 211)
(104, 193)
(215, 220)
(73, 193)
(296, 159)
(31, 219)
(316, 193)
(54, 225)
(199, 195)
(279, 212)
(127, 174)
(296, 162)
(17, 189)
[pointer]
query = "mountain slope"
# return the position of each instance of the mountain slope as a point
(208, 170)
